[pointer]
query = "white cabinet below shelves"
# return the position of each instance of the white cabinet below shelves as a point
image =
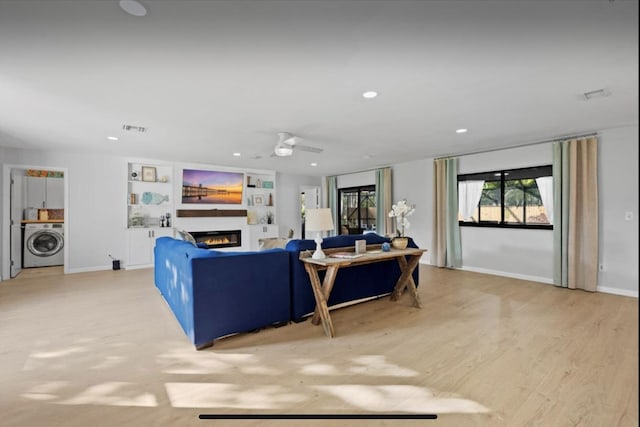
(140, 242)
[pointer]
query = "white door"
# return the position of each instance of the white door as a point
(15, 232)
(310, 200)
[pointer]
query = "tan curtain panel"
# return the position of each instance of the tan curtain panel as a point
(583, 214)
(388, 200)
(439, 238)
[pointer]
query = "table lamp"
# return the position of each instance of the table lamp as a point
(318, 220)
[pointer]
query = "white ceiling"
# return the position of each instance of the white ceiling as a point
(209, 78)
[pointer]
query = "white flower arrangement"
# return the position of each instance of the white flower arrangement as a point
(401, 211)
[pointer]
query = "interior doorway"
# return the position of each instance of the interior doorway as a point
(309, 199)
(23, 186)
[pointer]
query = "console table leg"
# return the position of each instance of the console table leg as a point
(406, 280)
(321, 293)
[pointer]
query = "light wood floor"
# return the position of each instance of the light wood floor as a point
(94, 349)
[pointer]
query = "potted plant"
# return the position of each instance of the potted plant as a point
(400, 211)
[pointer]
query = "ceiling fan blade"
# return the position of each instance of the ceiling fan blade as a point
(307, 148)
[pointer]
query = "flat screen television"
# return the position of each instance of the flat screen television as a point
(211, 187)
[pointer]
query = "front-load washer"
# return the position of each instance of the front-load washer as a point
(43, 243)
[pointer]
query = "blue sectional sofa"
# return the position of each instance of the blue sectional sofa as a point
(216, 293)
(352, 283)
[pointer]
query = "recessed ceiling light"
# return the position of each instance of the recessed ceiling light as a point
(236, 154)
(370, 94)
(112, 138)
(133, 7)
(314, 164)
(461, 130)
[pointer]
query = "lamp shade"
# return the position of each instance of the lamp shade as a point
(318, 220)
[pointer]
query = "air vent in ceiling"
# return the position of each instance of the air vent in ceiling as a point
(134, 128)
(600, 93)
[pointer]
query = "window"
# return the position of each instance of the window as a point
(357, 209)
(517, 198)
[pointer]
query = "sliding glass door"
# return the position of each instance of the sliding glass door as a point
(357, 207)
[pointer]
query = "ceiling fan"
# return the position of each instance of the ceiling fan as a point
(287, 142)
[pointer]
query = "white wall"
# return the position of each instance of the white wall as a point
(414, 181)
(96, 218)
(96, 214)
(288, 214)
(528, 253)
(358, 179)
(97, 186)
(618, 193)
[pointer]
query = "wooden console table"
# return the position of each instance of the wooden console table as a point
(322, 291)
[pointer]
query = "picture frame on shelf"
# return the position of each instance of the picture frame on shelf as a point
(149, 174)
(258, 200)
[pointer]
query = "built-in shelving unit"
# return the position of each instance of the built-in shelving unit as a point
(150, 195)
(150, 211)
(261, 206)
(261, 199)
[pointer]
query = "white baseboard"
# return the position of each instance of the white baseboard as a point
(540, 279)
(89, 269)
(616, 291)
(603, 289)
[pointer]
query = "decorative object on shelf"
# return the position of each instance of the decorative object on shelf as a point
(135, 176)
(45, 173)
(133, 198)
(149, 174)
(149, 198)
(386, 247)
(259, 183)
(213, 187)
(267, 184)
(164, 179)
(270, 203)
(258, 200)
(361, 246)
(318, 220)
(136, 220)
(168, 217)
(269, 217)
(249, 181)
(161, 220)
(252, 218)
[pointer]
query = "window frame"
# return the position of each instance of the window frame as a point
(534, 172)
(358, 189)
